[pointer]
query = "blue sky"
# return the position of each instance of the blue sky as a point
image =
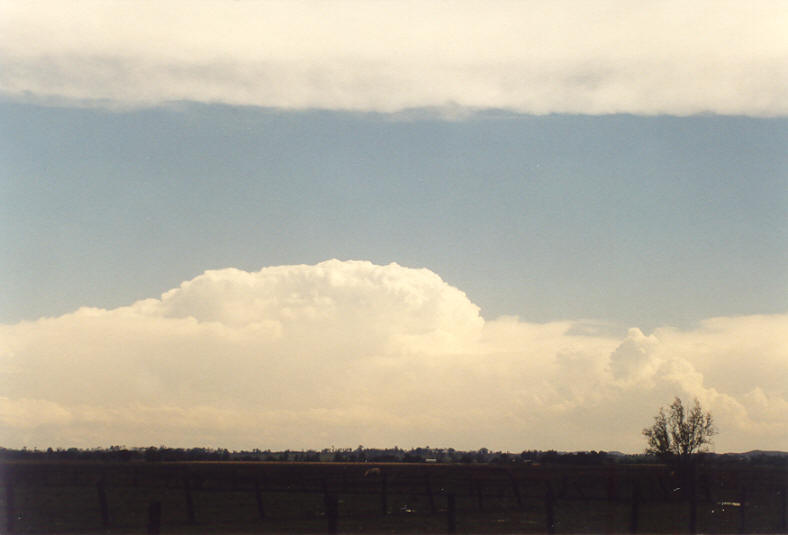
(298, 224)
(640, 221)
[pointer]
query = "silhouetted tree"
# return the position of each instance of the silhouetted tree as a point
(680, 434)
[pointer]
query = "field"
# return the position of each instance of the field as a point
(268, 497)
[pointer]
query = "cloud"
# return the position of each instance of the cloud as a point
(348, 352)
(725, 57)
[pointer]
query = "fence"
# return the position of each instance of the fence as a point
(329, 497)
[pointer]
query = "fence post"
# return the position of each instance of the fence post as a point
(579, 490)
(549, 502)
(332, 512)
(154, 518)
(452, 513)
(564, 487)
(516, 491)
(259, 498)
(693, 517)
(187, 490)
(384, 507)
(102, 498)
(344, 479)
(430, 497)
(666, 492)
(633, 517)
(704, 483)
(612, 493)
(10, 513)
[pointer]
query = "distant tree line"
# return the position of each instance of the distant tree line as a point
(372, 455)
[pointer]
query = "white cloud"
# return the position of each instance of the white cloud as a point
(343, 353)
(562, 56)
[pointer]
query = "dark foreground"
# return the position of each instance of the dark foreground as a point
(230, 497)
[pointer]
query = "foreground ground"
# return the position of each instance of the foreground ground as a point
(265, 497)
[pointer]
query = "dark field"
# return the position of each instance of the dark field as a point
(267, 497)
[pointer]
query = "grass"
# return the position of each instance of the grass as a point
(62, 497)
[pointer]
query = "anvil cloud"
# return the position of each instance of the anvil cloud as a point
(603, 57)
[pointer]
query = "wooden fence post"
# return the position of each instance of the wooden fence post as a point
(693, 501)
(612, 494)
(612, 490)
(743, 510)
(579, 489)
(10, 513)
(706, 486)
(516, 491)
(430, 496)
(452, 513)
(187, 490)
(549, 502)
(344, 479)
(332, 512)
(666, 492)
(102, 498)
(564, 487)
(384, 507)
(259, 498)
(154, 518)
(633, 516)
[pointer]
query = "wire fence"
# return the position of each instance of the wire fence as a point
(396, 498)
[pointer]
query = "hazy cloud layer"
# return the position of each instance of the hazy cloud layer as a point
(727, 57)
(347, 353)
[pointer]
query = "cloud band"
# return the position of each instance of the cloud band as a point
(527, 57)
(350, 353)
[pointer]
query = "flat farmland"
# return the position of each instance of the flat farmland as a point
(277, 497)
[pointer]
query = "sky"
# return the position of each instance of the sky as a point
(512, 225)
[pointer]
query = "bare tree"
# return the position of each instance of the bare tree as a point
(680, 433)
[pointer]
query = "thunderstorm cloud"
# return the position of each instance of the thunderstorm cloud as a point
(348, 352)
(563, 56)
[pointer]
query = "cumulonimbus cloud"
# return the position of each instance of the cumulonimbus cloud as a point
(348, 352)
(564, 56)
